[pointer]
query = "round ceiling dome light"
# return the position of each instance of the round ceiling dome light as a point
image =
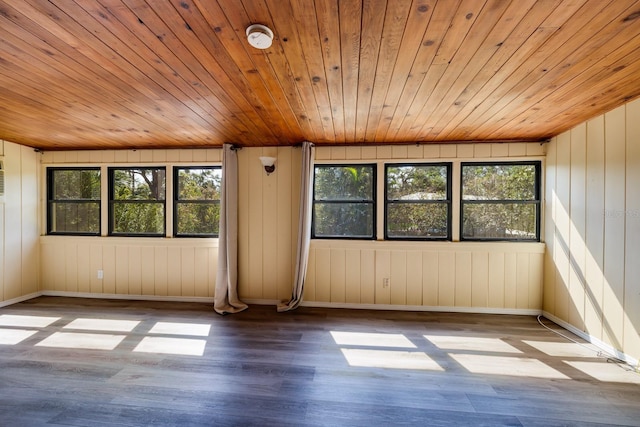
(259, 36)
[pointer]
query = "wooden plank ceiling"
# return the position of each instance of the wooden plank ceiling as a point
(102, 74)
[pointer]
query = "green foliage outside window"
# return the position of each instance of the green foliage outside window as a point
(417, 201)
(344, 201)
(500, 201)
(73, 201)
(197, 201)
(137, 197)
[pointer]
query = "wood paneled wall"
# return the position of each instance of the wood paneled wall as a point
(19, 251)
(130, 157)
(417, 152)
(489, 277)
(481, 277)
(149, 267)
(593, 227)
(448, 275)
(267, 222)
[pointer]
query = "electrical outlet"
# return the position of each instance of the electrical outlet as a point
(385, 282)
(100, 274)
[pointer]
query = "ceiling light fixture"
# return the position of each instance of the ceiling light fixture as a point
(259, 36)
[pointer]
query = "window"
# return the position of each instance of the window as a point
(73, 201)
(344, 201)
(196, 201)
(137, 201)
(500, 201)
(418, 201)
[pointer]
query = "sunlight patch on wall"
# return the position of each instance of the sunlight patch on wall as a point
(390, 359)
(561, 240)
(103, 325)
(179, 346)
(512, 366)
(447, 342)
(371, 339)
(26, 321)
(82, 341)
(14, 336)
(172, 328)
(584, 296)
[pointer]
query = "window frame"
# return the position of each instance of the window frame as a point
(112, 202)
(50, 171)
(177, 201)
(447, 201)
(373, 202)
(537, 164)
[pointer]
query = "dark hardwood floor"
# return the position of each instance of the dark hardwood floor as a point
(84, 362)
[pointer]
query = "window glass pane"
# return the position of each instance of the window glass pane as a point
(73, 201)
(354, 182)
(416, 182)
(139, 184)
(417, 220)
(138, 218)
(343, 220)
(199, 184)
(81, 217)
(499, 221)
(76, 184)
(198, 218)
(498, 182)
(197, 194)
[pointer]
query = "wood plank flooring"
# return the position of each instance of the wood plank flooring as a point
(84, 362)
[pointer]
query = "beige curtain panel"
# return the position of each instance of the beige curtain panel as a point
(226, 299)
(304, 228)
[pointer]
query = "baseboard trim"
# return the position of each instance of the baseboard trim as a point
(393, 307)
(593, 340)
(207, 300)
(20, 299)
(445, 309)
(254, 301)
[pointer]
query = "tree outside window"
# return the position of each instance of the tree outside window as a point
(197, 201)
(73, 201)
(418, 201)
(137, 201)
(500, 201)
(344, 201)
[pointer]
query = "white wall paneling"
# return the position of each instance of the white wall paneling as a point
(631, 305)
(592, 228)
(499, 276)
(130, 266)
(19, 251)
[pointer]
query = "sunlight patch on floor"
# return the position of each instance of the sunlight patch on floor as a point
(371, 339)
(449, 342)
(608, 372)
(26, 321)
(112, 325)
(14, 336)
(502, 365)
(82, 341)
(390, 359)
(172, 328)
(564, 349)
(179, 346)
